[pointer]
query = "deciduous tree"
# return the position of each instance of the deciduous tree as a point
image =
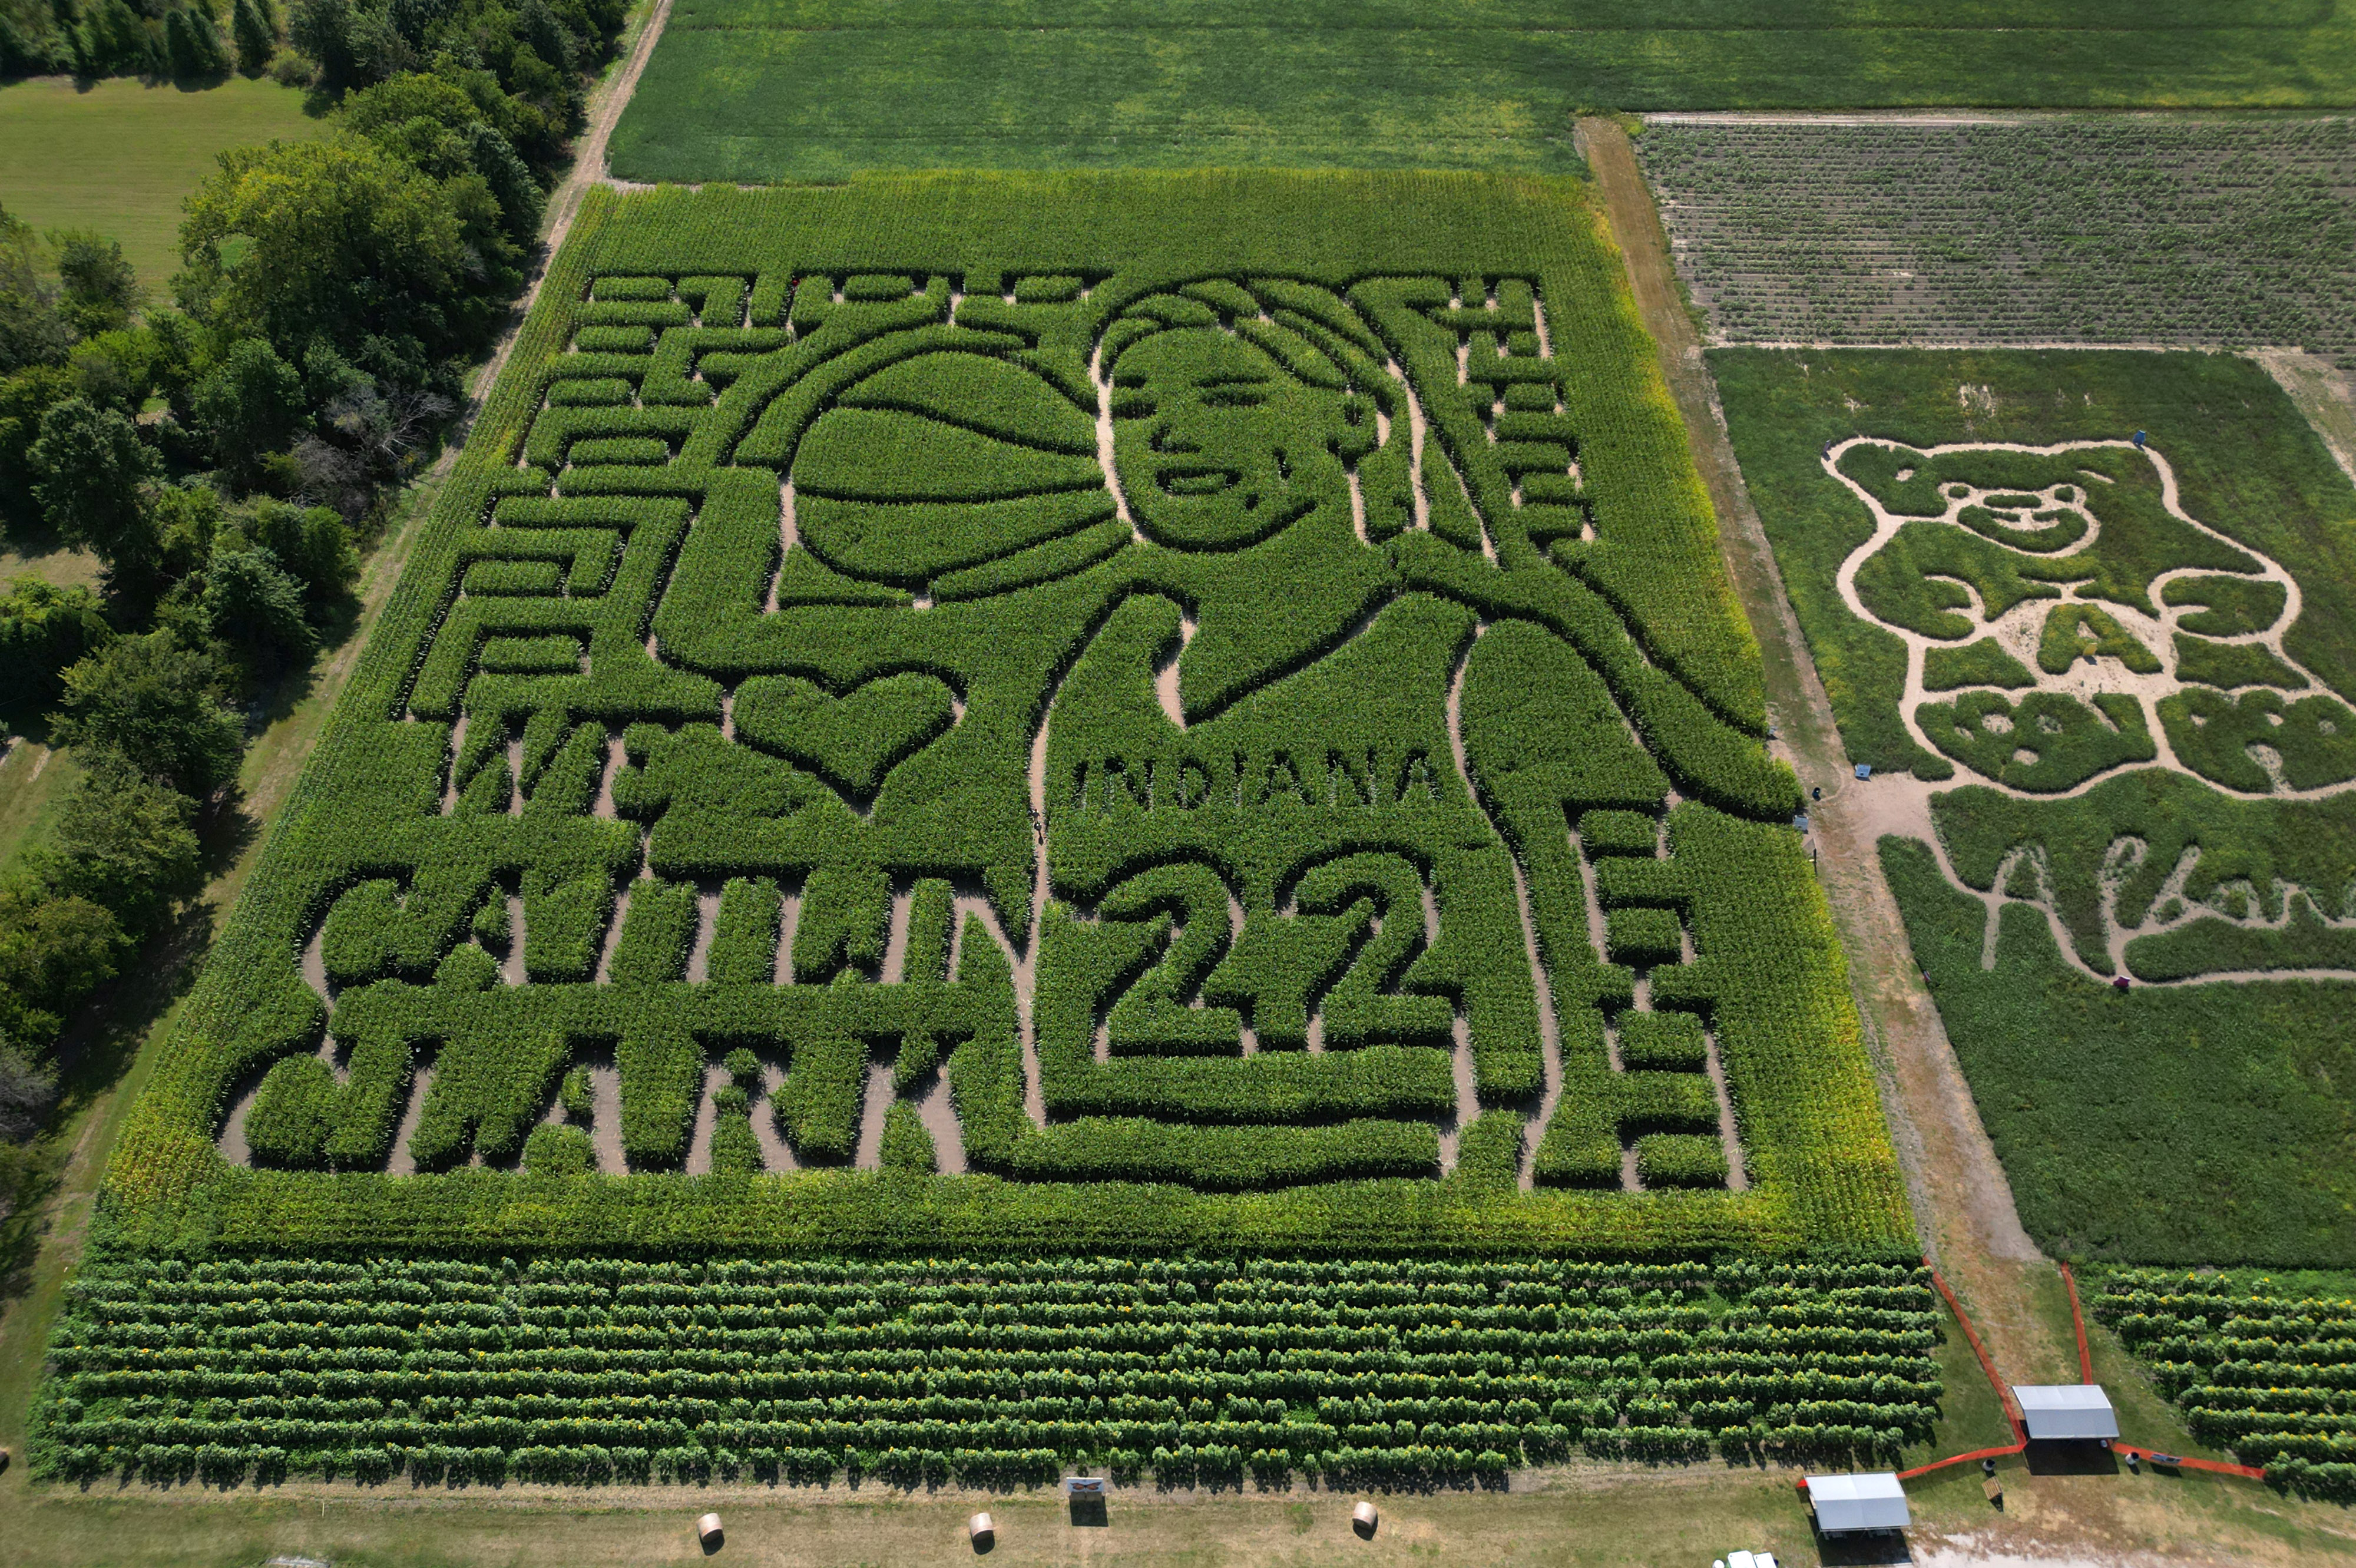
(152, 700)
(90, 475)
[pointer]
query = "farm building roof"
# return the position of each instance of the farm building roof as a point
(2066, 1410)
(1874, 1501)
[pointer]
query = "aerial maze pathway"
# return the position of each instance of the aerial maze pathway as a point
(995, 819)
(2167, 653)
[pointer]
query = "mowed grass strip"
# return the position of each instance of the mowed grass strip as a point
(760, 90)
(120, 156)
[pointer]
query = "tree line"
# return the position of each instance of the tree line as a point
(225, 455)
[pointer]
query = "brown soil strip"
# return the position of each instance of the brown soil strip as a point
(775, 1155)
(707, 1116)
(895, 940)
(707, 920)
(511, 969)
(1541, 986)
(605, 1114)
(789, 920)
(402, 1162)
(872, 1112)
(939, 1113)
(1962, 1203)
(604, 974)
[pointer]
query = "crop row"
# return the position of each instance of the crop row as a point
(647, 1371)
(2254, 1368)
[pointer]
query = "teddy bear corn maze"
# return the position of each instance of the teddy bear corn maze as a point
(1184, 736)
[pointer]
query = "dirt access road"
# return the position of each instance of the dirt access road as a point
(1962, 1200)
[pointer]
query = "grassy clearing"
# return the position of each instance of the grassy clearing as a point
(1970, 1415)
(33, 780)
(759, 90)
(64, 568)
(119, 155)
(1585, 1518)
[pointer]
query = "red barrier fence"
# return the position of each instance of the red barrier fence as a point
(2214, 1466)
(1961, 1459)
(2078, 1322)
(2086, 1372)
(2003, 1392)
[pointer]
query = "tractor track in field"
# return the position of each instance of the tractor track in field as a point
(1962, 1200)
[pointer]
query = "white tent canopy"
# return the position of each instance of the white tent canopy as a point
(2066, 1410)
(1845, 1503)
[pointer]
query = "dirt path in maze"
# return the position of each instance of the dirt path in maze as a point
(1962, 1203)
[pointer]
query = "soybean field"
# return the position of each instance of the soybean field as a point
(2086, 229)
(763, 90)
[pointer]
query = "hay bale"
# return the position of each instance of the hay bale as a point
(708, 1530)
(1365, 1518)
(981, 1530)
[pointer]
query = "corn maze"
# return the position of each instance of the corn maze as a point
(2168, 654)
(1162, 744)
(2084, 229)
(2085, 616)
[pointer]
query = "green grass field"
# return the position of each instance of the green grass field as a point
(120, 155)
(764, 90)
(2246, 458)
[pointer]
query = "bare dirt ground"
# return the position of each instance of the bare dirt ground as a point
(1962, 1203)
(1851, 117)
